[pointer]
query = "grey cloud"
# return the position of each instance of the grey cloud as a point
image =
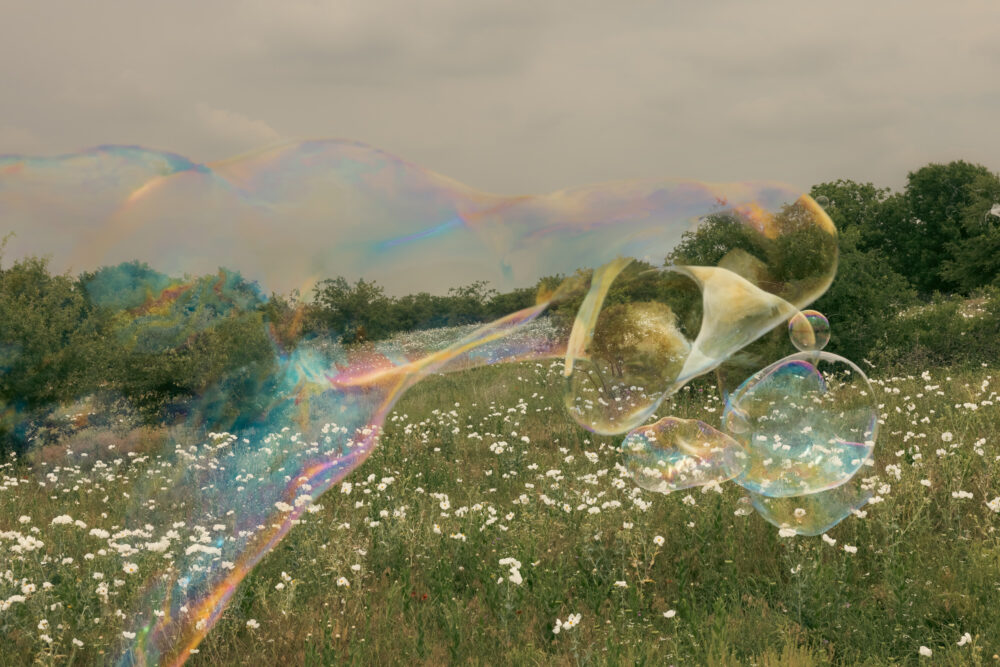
(521, 96)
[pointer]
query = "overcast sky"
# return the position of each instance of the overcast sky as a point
(518, 96)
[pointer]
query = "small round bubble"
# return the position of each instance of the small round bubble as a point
(809, 331)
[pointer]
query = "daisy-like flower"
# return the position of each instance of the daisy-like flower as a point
(658, 540)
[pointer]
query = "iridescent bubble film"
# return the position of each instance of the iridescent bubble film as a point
(673, 454)
(809, 331)
(797, 435)
(808, 423)
(640, 287)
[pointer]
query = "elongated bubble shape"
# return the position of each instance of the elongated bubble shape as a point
(624, 359)
(640, 286)
(808, 423)
(673, 454)
(312, 210)
(816, 513)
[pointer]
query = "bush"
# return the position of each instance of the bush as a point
(948, 331)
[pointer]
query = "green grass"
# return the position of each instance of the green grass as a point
(926, 570)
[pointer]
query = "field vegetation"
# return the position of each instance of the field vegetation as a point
(488, 528)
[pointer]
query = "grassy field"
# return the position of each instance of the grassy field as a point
(410, 560)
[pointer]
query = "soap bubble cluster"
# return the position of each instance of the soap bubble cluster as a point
(796, 435)
(641, 286)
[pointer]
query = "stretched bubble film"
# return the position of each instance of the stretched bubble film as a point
(653, 283)
(288, 215)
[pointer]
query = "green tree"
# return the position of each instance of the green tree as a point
(511, 302)
(864, 299)
(873, 211)
(717, 237)
(975, 259)
(938, 199)
(52, 341)
(467, 304)
(354, 312)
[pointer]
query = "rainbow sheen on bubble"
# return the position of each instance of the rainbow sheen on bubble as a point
(808, 423)
(673, 454)
(655, 283)
(809, 331)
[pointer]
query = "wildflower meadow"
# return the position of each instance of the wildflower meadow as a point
(488, 528)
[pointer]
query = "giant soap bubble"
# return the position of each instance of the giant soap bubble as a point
(808, 423)
(647, 285)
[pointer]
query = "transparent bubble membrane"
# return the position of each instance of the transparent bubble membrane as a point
(816, 513)
(256, 449)
(673, 454)
(809, 331)
(808, 423)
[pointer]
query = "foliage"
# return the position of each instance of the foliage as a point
(423, 581)
(357, 312)
(51, 341)
(943, 201)
(948, 331)
(975, 257)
